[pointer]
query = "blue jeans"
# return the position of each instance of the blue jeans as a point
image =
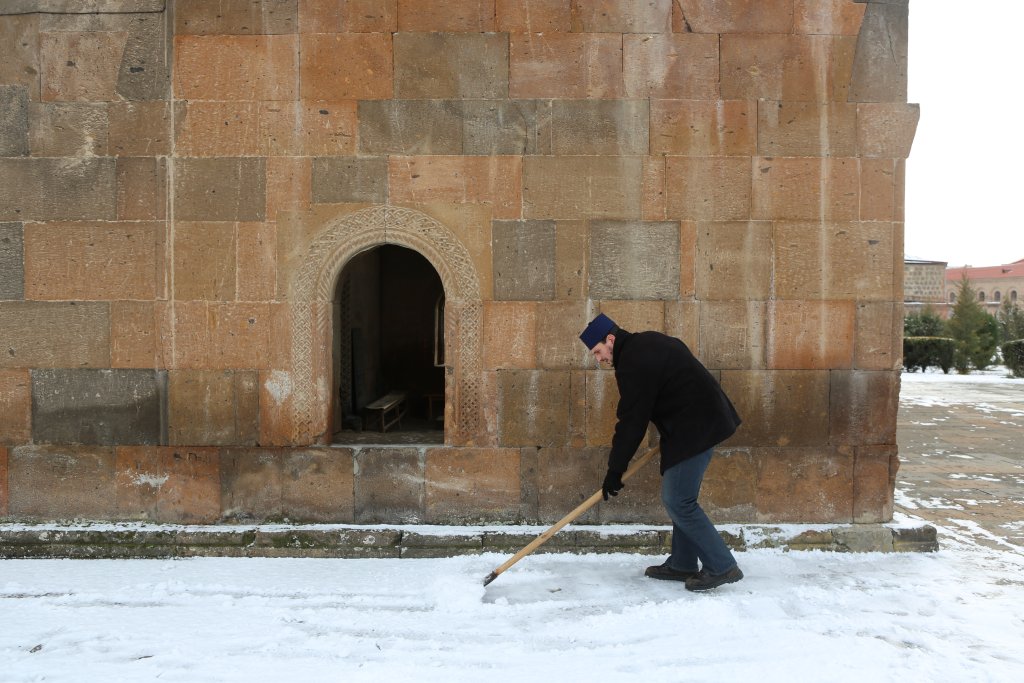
(694, 537)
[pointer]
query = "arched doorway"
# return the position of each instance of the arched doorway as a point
(389, 349)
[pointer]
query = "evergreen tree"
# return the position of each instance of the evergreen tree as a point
(927, 323)
(966, 327)
(1011, 321)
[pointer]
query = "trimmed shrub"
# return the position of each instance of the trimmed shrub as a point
(1013, 356)
(921, 353)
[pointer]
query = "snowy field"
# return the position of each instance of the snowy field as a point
(956, 615)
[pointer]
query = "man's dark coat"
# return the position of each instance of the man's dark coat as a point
(661, 381)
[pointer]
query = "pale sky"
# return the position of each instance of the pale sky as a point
(965, 179)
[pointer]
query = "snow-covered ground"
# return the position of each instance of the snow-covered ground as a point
(955, 615)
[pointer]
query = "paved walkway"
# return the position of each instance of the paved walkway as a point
(961, 442)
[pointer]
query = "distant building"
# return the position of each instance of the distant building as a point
(994, 284)
(924, 284)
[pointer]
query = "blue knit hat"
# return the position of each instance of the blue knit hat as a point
(599, 328)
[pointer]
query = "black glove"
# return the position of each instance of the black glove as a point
(612, 484)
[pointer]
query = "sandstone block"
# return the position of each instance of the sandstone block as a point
(410, 127)
(599, 127)
(524, 260)
(559, 325)
(566, 66)
(625, 16)
(451, 65)
(257, 252)
(886, 129)
(810, 485)
(251, 483)
(60, 482)
(494, 127)
(204, 261)
(210, 336)
(218, 129)
(3, 482)
(703, 128)
(810, 334)
(779, 407)
(794, 129)
(472, 485)
(454, 15)
(671, 66)
(99, 407)
(739, 16)
(317, 485)
(874, 478)
(139, 128)
(835, 17)
(168, 484)
(510, 329)
(682, 321)
(635, 316)
(237, 67)
(493, 181)
(734, 261)
(243, 17)
(729, 490)
(533, 16)
(602, 400)
(348, 16)
(864, 406)
(786, 67)
(141, 188)
(43, 334)
(20, 37)
(582, 187)
(858, 262)
(471, 225)
(708, 189)
(879, 72)
(80, 66)
(347, 66)
(634, 260)
(733, 334)
(57, 189)
(212, 408)
(799, 188)
(12, 261)
(14, 121)
(389, 486)
(879, 329)
(15, 407)
(533, 407)
(228, 189)
(143, 73)
(289, 185)
(571, 246)
(96, 261)
(567, 477)
(653, 199)
(880, 189)
(134, 335)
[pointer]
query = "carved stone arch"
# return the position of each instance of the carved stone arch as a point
(313, 289)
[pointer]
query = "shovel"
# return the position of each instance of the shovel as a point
(583, 507)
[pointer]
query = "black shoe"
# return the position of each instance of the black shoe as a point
(666, 573)
(706, 581)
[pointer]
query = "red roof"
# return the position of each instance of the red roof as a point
(1010, 270)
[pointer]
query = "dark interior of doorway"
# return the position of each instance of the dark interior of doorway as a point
(389, 329)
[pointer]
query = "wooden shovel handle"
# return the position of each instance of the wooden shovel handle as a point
(580, 509)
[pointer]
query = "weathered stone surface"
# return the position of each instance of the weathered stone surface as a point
(863, 407)
(857, 263)
(879, 72)
(257, 251)
(792, 129)
(810, 334)
(635, 316)
(134, 335)
(96, 261)
(806, 484)
(80, 66)
(634, 260)
(566, 65)
(880, 189)
(799, 188)
(786, 67)
(167, 484)
(220, 189)
(212, 407)
(451, 65)
(15, 407)
(4, 496)
(733, 334)
(559, 324)
(671, 66)
(60, 482)
(533, 16)
(874, 476)
(237, 67)
(198, 17)
(348, 16)
(344, 66)
(729, 490)
(144, 73)
(734, 261)
(251, 483)
(68, 129)
(703, 127)
(317, 485)
(212, 335)
(494, 181)
(43, 334)
(12, 261)
(289, 185)
(141, 188)
(600, 127)
(582, 187)
(886, 129)
(568, 476)
(57, 189)
(570, 259)
(708, 188)
(625, 16)
(389, 485)
(533, 407)
(602, 398)
(472, 485)
(835, 17)
(509, 329)
(682, 320)
(82, 6)
(524, 260)
(879, 327)
(99, 407)
(779, 407)
(410, 127)
(139, 128)
(454, 15)
(204, 261)
(20, 37)
(14, 120)
(492, 127)
(738, 16)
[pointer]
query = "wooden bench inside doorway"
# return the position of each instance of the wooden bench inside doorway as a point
(390, 407)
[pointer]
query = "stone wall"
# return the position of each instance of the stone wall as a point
(181, 184)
